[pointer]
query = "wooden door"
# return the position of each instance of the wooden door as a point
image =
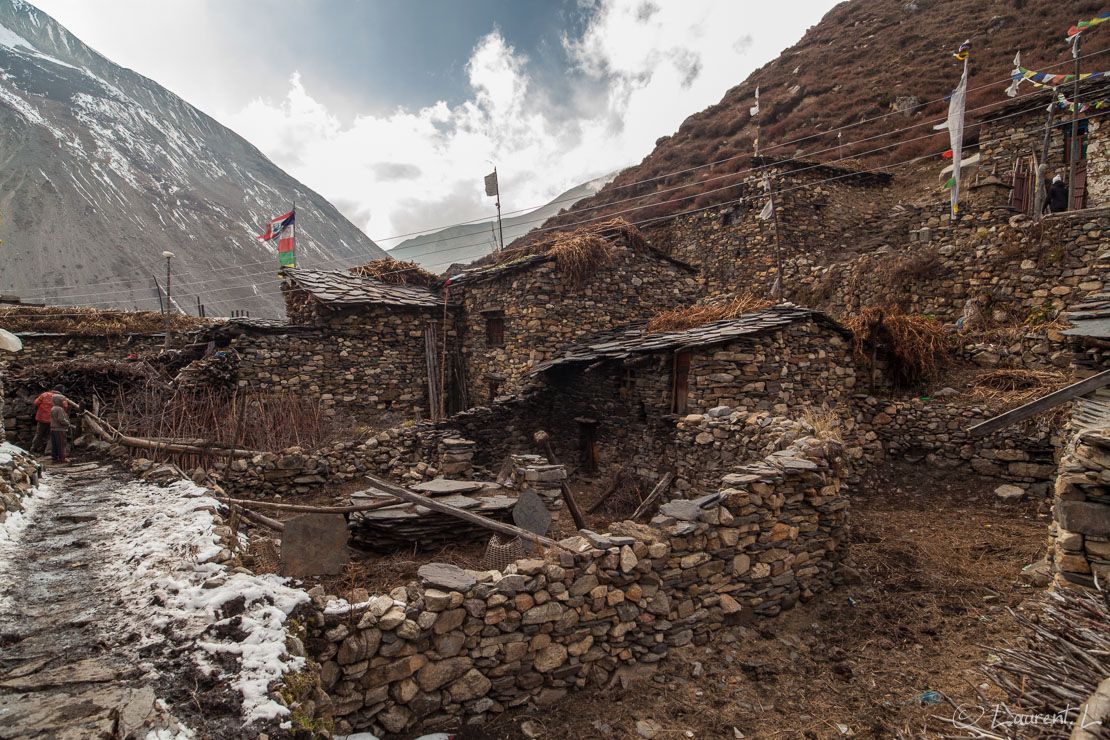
(1079, 197)
(681, 385)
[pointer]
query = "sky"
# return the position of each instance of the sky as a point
(394, 110)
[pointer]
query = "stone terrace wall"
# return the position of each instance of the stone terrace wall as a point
(367, 363)
(820, 212)
(467, 644)
(1080, 546)
(19, 474)
(544, 312)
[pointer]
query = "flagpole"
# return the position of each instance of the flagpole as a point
(497, 186)
(1076, 148)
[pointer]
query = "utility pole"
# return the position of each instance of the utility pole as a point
(169, 305)
(1076, 147)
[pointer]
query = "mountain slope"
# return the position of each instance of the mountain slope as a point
(102, 169)
(463, 244)
(889, 60)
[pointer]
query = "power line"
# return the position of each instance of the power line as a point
(131, 281)
(586, 221)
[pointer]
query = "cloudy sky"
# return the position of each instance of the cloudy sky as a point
(394, 109)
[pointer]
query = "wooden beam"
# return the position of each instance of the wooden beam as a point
(643, 508)
(1041, 404)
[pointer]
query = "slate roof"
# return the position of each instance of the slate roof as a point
(1091, 317)
(342, 288)
(624, 342)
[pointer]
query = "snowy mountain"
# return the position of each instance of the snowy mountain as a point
(461, 245)
(101, 169)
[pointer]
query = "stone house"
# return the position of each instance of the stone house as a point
(358, 344)
(1011, 135)
(625, 395)
(523, 312)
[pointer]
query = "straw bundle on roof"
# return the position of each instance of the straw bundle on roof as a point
(689, 317)
(580, 252)
(397, 272)
(914, 345)
(91, 321)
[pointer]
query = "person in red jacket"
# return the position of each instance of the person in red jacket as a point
(43, 405)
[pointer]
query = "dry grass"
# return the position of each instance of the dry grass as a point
(397, 272)
(689, 317)
(1012, 388)
(914, 345)
(826, 423)
(580, 252)
(91, 321)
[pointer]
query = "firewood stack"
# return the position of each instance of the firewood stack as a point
(217, 372)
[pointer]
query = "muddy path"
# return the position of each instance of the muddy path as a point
(89, 646)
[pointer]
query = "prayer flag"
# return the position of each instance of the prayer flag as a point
(281, 230)
(964, 50)
(491, 183)
(1015, 76)
(950, 184)
(955, 125)
(768, 210)
(754, 110)
(947, 154)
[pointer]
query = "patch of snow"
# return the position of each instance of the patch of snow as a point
(12, 40)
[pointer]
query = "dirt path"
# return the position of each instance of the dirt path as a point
(91, 645)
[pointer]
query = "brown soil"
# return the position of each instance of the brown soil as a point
(938, 559)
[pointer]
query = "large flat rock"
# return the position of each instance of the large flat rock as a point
(445, 487)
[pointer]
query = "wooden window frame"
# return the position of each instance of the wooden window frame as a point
(680, 382)
(495, 328)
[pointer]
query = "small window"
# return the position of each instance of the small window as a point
(494, 389)
(495, 330)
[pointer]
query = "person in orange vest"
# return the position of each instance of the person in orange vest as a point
(43, 406)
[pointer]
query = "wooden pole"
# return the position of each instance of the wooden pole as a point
(1042, 169)
(169, 302)
(497, 186)
(1076, 148)
(660, 487)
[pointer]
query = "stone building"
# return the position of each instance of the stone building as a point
(819, 210)
(525, 311)
(625, 396)
(358, 344)
(1011, 135)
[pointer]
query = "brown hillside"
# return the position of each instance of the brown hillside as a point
(861, 62)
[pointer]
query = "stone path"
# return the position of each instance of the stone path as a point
(69, 665)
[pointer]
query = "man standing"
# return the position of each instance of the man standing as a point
(43, 406)
(1056, 200)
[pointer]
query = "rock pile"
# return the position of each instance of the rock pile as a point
(1081, 547)
(19, 474)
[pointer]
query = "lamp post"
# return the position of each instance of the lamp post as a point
(169, 258)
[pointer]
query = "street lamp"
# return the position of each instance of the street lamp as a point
(169, 257)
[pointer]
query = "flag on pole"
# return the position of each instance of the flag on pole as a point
(955, 126)
(491, 183)
(768, 210)
(1012, 91)
(280, 230)
(754, 110)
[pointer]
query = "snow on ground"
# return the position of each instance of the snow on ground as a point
(13, 526)
(170, 556)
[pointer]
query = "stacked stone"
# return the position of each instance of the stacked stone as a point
(936, 431)
(470, 644)
(1081, 550)
(533, 472)
(19, 474)
(456, 457)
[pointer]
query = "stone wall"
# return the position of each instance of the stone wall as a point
(19, 474)
(473, 644)
(543, 311)
(1080, 535)
(367, 363)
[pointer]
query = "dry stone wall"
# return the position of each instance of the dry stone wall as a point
(1080, 535)
(19, 474)
(473, 644)
(543, 311)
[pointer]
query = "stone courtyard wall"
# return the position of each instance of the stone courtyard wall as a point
(473, 644)
(1079, 546)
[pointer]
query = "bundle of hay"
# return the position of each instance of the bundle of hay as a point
(398, 272)
(1005, 388)
(913, 346)
(578, 253)
(91, 321)
(690, 317)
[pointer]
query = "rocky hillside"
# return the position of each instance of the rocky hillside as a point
(101, 169)
(866, 59)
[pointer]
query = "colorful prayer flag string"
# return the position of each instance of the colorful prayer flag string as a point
(963, 51)
(1082, 26)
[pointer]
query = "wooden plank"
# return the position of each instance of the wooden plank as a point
(656, 492)
(434, 505)
(1041, 404)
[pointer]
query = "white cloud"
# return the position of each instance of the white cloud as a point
(637, 70)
